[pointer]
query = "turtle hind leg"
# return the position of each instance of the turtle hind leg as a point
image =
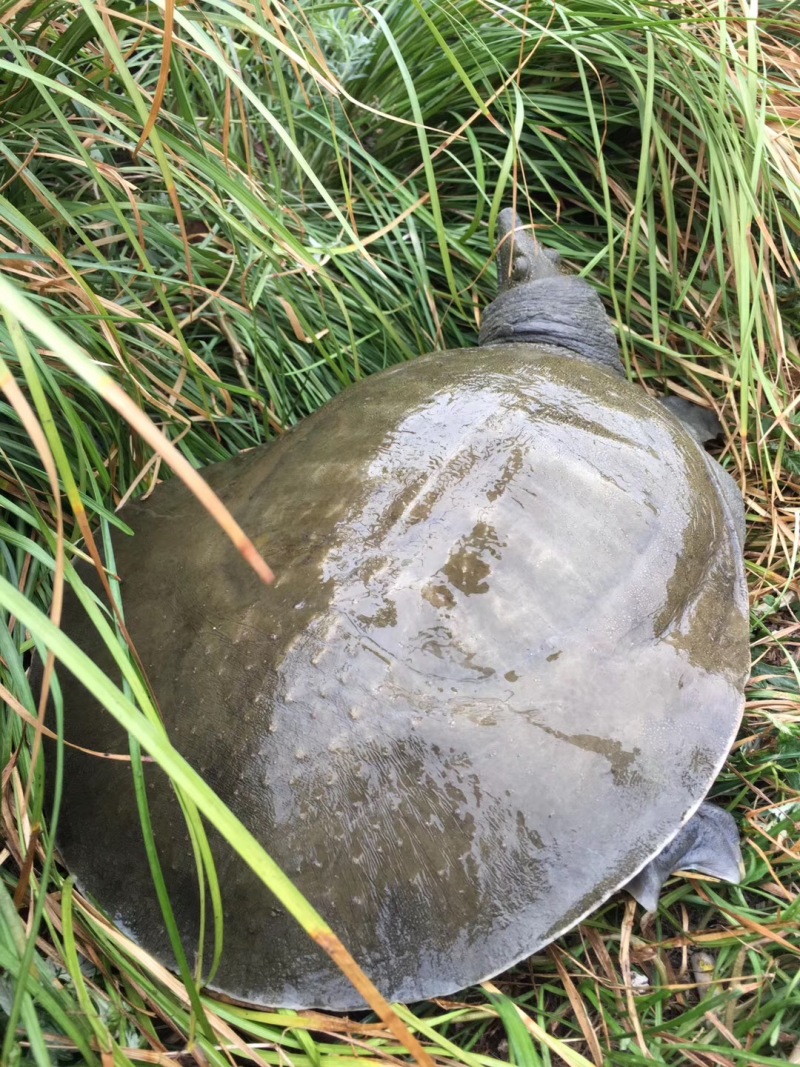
(708, 843)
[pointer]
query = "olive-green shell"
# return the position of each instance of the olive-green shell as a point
(502, 662)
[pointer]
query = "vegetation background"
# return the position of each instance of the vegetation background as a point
(218, 215)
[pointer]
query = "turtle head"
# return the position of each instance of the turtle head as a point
(520, 258)
(537, 304)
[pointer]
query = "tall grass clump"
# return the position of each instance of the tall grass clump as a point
(213, 218)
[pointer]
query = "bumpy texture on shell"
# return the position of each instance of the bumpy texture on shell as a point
(502, 662)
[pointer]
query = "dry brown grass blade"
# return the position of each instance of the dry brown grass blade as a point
(331, 944)
(30, 720)
(163, 76)
(139, 421)
(566, 1054)
(157, 972)
(223, 1030)
(578, 1007)
(28, 418)
(751, 925)
(627, 975)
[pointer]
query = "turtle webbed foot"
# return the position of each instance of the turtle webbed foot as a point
(702, 423)
(708, 843)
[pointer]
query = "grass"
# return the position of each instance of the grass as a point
(218, 216)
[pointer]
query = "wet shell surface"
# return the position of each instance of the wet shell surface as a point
(502, 663)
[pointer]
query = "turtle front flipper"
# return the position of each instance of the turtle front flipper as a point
(708, 843)
(702, 423)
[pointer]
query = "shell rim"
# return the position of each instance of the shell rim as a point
(529, 951)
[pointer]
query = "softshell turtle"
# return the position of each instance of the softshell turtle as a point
(500, 667)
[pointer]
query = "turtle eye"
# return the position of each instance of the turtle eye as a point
(520, 269)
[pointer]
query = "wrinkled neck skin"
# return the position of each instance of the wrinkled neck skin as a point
(536, 304)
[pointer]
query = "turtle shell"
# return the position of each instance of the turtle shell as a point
(500, 666)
